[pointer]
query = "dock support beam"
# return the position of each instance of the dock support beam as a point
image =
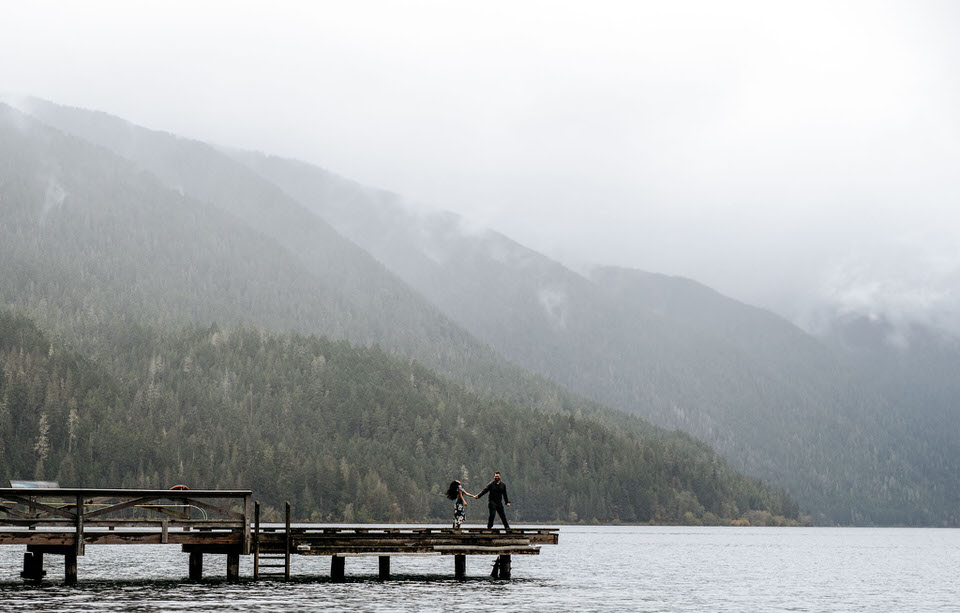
(337, 569)
(33, 566)
(286, 546)
(70, 568)
(196, 566)
(384, 568)
(505, 567)
(460, 566)
(233, 566)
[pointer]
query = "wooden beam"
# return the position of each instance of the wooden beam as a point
(42, 508)
(246, 524)
(286, 545)
(380, 554)
(79, 537)
(120, 538)
(256, 540)
(212, 508)
(121, 505)
(13, 512)
(70, 492)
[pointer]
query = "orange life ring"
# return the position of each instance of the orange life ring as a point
(179, 487)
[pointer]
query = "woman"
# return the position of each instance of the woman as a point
(456, 492)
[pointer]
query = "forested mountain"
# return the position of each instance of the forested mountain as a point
(114, 261)
(915, 367)
(345, 433)
(199, 237)
(772, 399)
(265, 245)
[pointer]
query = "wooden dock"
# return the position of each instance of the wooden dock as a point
(63, 521)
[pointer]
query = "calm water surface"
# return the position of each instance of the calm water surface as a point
(593, 569)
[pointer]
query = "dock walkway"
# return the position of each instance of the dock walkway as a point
(64, 521)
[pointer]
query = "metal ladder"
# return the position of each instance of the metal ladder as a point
(271, 559)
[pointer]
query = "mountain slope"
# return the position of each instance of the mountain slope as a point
(777, 403)
(346, 433)
(361, 301)
(772, 399)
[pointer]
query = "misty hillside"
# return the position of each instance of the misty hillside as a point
(345, 433)
(201, 238)
(775, 401)
(116, 263)
(915, 367)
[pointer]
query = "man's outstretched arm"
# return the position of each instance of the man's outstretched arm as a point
(484, 491)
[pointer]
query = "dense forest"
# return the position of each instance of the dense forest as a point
(344, 433)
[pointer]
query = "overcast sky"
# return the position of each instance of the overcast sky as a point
(785, 153)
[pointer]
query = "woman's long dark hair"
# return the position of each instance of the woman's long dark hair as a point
(453, 490)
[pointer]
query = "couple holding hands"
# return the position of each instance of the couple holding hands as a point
(498, 496)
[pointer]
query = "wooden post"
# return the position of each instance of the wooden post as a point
(505, 567)
(163, 532)
(384, 568)
(33, 566)
(78, 549)
(69, 568)
(233, 566)
(196, 566)
(337, 568)
(256, 540)
(286, 552)
(246, 525)
(460, 566)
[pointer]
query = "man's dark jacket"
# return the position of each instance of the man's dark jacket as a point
(498, 492)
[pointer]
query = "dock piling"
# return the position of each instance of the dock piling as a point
(460, 566)
(256, 540)
(504, 567)
(33, 566)
(384, 568)
(233, 566)
(70, 568)
(286, 553)
(337, 564)
(196, 566)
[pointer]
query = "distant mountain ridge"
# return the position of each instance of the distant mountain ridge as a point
(329, 284)
(130, 390)
(778, 403)
(774, 400)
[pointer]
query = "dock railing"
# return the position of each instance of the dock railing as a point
(86, 509)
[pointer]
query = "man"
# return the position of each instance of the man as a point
(498, 496)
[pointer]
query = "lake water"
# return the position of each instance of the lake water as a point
(593, 569)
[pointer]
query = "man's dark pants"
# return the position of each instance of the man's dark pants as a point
(496, 508)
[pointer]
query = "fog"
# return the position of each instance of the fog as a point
(795, 155)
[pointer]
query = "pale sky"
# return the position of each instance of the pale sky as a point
(785, 153)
